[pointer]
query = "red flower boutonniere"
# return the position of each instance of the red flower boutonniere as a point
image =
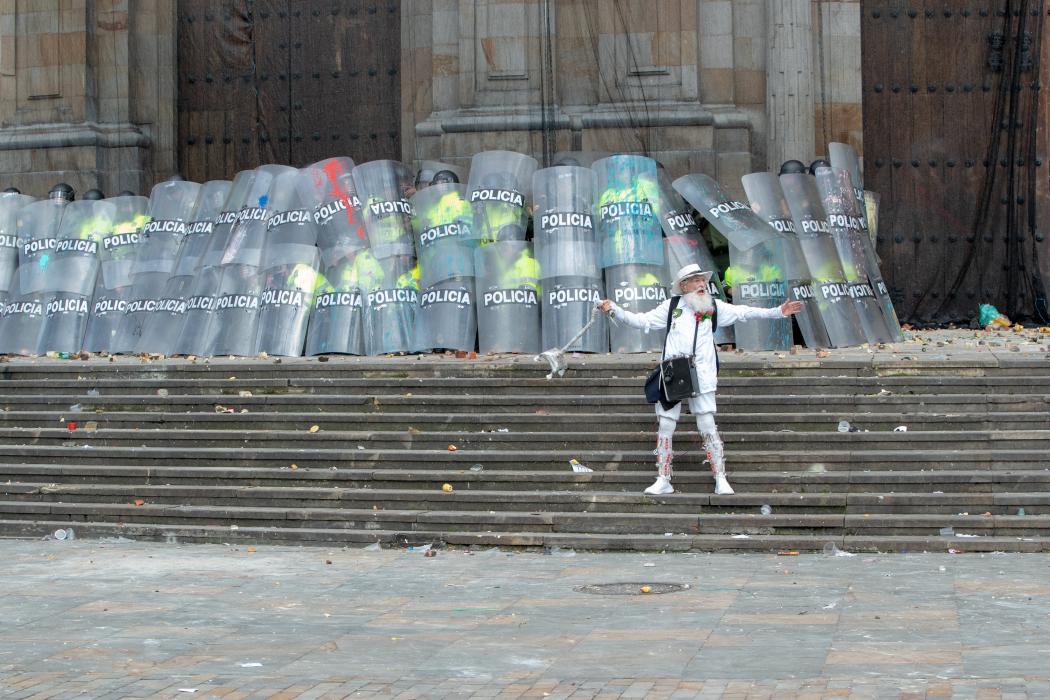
(705, 316)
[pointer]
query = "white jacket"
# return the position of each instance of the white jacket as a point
(683, 325)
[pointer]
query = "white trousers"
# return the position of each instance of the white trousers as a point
(703, 408)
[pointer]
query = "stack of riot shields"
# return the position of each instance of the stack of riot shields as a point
(508, 290)
(162, 326)
(843, 157)
(685, 245)
(567, 253)
(199, 326)
(767, 200)
(10, 205)
(445, 244)
(72, 273)
(337, 323)
(846, 228)
(38, 229)
(290, 263)
(631, 244)
(841, 312)
(499, 192)
(756, 254)
(170, 208)
(389, 275)
(113, 283)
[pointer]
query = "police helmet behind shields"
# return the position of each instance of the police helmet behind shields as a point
(435, 172)
(327, 188)
(385, 187)
(500, 191)
(629, 231)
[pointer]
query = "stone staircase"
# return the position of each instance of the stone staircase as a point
(357, 450)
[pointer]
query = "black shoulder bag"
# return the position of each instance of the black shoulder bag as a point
(674, 380)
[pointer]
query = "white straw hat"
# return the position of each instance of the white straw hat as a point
(688, 271)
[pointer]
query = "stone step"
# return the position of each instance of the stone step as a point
(587, 530)
(687, 481)
(505, 439)
(542, 420)
(1033, 503)
(535, 460)
(488, 544)
(414, 403)
(849, 362)
(595, 385)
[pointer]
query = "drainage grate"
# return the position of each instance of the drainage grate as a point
(632, 588)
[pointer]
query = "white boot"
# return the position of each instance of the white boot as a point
(660, 487)
(664, 457)
(716, 456)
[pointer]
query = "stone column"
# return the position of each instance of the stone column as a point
(789, 82)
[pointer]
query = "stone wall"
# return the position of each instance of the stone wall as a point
(86, 93)
(686, 81)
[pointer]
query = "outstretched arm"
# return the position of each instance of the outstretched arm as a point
(728, 314)
(650, 320)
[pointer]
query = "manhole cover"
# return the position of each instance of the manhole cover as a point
(632, 588)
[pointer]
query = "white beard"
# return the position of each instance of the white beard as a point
(699, 301)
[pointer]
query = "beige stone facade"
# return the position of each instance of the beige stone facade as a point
(88, 88)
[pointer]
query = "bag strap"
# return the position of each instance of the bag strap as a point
(667, 329)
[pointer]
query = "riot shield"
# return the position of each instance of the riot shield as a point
(843, 157)
(70, 278)
(199, 327)
(685, 245)
(385, 187)
(447, 317)
(164, 324)
(767, 200)
(756, 254)
(248, 234)
(38, 225)
(840, 312)
(563, 224)
(236, 314)
(290, 273)
(119, 246)
(567, 305)
(499, 191)
(171, 207)
(327, 188)
(445, 239)
(107, 311)
(288, 291)
(392, 298)
(508, 293)
(637, 288)
(849, 235)
(628, 228)
(20, 324)
(338, 319)
(10, 205)
(428, 169)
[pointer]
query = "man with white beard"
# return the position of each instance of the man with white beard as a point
(692, 319)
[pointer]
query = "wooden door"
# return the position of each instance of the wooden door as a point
(954, 142)
(286, 81)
